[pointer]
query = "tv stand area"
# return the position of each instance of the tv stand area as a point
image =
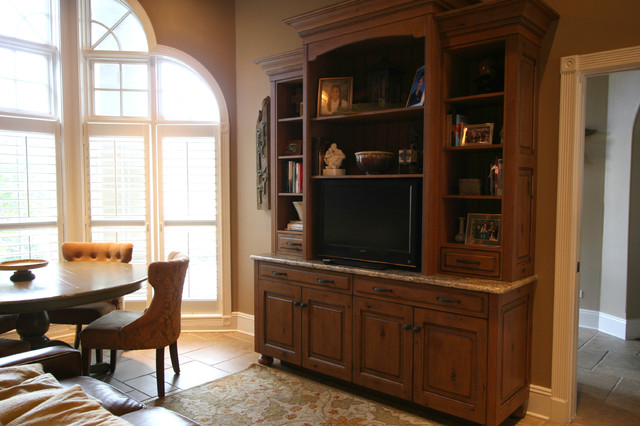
(456, 335)
(457, 345)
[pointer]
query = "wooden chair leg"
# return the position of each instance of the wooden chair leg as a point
(76, 343)
(113, 357)
(173, 352)
(86, 361)
(98, 355)
(160, 371)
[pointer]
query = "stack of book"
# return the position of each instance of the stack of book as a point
(455, 129)
(292, 176)
(294, 225)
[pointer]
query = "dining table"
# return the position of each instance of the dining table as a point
(54, 285)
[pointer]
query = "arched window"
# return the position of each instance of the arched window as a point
(149, 144)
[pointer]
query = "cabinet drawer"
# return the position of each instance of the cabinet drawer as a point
(449, 300)
(290, 243)
(483, 263)
(305, 276)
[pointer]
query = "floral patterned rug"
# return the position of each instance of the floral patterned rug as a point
(269, 396)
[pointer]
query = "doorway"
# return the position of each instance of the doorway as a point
(574, 71)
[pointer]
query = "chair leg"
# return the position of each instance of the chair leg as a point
(98, 356)
(76, 343)
(160, 371)
(112, 361)
(86, 361)
(173, 352)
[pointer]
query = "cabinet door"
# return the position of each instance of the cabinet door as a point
(278, 321)
(326, 332)
(382, 346)
(450, 361)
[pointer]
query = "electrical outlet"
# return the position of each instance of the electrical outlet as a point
(580, 294)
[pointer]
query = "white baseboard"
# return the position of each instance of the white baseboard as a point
(238, 321)
(540, 402)
(614, 326)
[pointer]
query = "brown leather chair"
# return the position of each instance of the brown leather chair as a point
(84, 314)
(155, 328)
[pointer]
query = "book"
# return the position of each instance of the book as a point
(459, 121)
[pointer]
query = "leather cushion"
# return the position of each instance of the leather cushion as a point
(113, 399)
(81, 314)
(13, 346)
(157, 416)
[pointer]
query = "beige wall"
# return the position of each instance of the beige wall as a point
(205, 30)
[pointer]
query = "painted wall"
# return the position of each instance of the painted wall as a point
(595, 146)
(205, 29)
(633, 275)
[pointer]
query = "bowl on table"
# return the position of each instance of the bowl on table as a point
(374, 162)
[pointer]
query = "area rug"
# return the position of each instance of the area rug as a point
(269, 396)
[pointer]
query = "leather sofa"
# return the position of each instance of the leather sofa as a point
(65, 365)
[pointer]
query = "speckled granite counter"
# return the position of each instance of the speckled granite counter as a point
(465, 283)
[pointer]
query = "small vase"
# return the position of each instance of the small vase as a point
(460, 235)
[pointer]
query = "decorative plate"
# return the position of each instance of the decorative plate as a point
(22, 268)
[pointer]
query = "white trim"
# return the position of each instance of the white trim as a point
(237, 321)
(614, 326)
(574, 70)
(540, 402)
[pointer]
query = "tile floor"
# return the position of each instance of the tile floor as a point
(608, 373)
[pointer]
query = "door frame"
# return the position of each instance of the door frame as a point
(573, 73)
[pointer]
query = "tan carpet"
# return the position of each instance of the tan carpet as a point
(269, 396)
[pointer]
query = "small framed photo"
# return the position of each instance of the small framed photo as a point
(478, 134)
(483, 229)
(293, 148)
(416, 96)
(334, 95)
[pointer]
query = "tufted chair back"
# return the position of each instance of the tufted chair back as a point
(97, 252)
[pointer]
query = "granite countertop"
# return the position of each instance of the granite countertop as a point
(452, 281)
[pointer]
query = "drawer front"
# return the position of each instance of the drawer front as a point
(485, 264)
(306, 276)
(289, 243)
(449, 300)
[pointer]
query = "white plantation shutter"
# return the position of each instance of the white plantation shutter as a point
(28, 196)
(188, 211)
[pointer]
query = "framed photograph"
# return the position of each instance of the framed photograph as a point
(483, 229)
(478, 134)
(292, 148)
(334, 95)
(416, 96)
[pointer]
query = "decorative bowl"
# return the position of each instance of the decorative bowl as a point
(373, 162)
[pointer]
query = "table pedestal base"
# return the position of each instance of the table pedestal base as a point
(32, 327)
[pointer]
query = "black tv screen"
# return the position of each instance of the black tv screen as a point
(370, 220)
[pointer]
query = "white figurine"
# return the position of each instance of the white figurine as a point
(333, 157)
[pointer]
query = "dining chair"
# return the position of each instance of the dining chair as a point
(158, 326)
(11, 346)
(84, 314)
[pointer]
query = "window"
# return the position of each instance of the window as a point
(144, 169)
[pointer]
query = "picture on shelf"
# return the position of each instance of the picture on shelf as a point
(416, 96)
(293, 148)
(334, 95)
(483, 229)
(478, 134)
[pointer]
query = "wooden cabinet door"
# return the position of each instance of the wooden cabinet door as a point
(278, 321)
(326, 332)
(450, 363)
(382, 346)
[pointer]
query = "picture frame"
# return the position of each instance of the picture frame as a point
(416, 95)
(483, 229)
(334, 95)
(293, 148)
(477, 134)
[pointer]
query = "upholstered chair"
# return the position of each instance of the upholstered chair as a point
(11, 346)
(158, 326)
(84, 314)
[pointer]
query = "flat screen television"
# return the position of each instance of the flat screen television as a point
(374, 221)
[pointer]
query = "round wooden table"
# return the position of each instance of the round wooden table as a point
(63, 284)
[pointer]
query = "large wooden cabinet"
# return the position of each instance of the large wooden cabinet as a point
(454, 335)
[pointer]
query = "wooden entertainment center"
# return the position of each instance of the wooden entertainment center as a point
(454, 334)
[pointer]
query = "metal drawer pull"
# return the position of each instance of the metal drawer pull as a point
(323, 281)
(382, 290)
(417, 329)
(289, 243)
(467, 262)
(442, 299)
(303, 305)
(279, 274)
(296, 303)
(407, 327)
